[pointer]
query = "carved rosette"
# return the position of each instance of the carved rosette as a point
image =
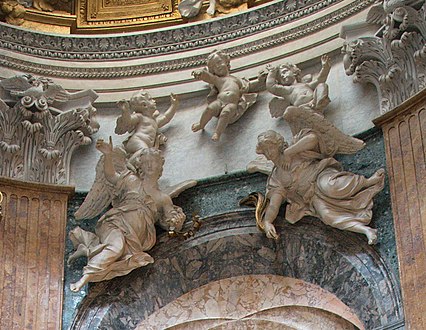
(37, 140)
(395, 59)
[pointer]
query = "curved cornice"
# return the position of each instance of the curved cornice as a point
(162, 41)
(249, 47)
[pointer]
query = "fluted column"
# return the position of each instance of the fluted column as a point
(32, 242)
(404, 130)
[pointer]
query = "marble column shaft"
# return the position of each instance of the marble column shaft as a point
(404, 130)
(32, 241)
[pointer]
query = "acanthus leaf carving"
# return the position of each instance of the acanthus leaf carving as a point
(37, 139)
(394, 59)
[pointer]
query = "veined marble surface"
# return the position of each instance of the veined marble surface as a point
(238, 301)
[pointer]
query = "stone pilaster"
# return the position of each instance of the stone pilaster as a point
(32, 236)
(404, 130)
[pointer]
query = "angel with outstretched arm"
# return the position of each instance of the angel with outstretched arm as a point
(142, 120)
(126, 231)
(285, 82)
(311, 181)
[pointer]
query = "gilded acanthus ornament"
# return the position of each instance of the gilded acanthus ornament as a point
(230, 96)
(310, 180)
(394, 59)
(125, 232)
(291, 89)
(42, 128)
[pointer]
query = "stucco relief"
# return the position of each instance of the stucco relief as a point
(394, 59)
(40, 132)
(307, 177)
(229, 96)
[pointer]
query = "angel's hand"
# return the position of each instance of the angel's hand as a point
(270, 67)
(176, 219)
(174, 99)
(197, 73)
(105, 148)
(270, 230)
(325, 61)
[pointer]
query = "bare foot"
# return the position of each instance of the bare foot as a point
(215, 137)
(372, 236)
(377, 178)
(81, 251)
(196, 127)
(75, 287)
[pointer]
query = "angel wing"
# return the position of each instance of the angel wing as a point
(376, 14)
(260, 164)
(177, 189)
(102, 192)
(17, 84)
(56, 93)
(335, 141)
(277, 107)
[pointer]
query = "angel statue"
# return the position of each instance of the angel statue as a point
(285, 81)
(306, 175)
(231, 95)
(125, 232)
(142, 120)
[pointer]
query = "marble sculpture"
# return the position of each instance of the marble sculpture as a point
(231, 95)
(310, 180)
(291, 89)
(126, 231)
(142, 120)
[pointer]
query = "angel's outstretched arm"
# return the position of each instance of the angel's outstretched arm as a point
(274, 87)
(109, 170)
(323, 74)
(168, 115)
(204, 75)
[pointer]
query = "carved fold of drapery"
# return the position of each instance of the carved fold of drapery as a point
(394, 60)
(41, 126)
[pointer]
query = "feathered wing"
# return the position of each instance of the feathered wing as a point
(56, 93)
(16, 84)
(277, 107)
(336, 142)
(376, 14)
(102, 192)
(177, 189)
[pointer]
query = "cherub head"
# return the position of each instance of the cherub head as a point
(219, 63)
(147, 163)
(142, 102)
(271, 144)
(288, 74)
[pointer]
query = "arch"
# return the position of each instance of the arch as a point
(230, 245)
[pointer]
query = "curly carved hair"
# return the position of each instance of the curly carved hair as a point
(136, 161)
(220, 54)
(274, 138)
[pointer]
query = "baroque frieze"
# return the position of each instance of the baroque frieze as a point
(170, 40)
(161, 66)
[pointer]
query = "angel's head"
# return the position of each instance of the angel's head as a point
(147, 163)
(219, 63)
(143, 103)
(271, 144)
(288, 74)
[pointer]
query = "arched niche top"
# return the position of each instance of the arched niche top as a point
(254, 300)
(229, 245)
